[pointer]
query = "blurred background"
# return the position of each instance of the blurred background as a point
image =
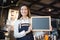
(37, 7)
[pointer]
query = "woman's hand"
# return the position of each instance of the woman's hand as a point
(29, 29)
(51, 28)
(22, 33)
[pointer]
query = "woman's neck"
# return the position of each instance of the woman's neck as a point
(24, 17)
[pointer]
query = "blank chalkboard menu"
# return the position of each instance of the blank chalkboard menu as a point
(41, 23)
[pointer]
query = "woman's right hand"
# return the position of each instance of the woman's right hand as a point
(22, 33)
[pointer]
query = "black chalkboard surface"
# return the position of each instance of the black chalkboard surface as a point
(41, 23)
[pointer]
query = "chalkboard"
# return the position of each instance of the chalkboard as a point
(41, 23)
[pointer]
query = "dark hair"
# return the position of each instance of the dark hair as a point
(29, 15)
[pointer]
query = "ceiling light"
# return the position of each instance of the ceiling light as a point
(11, 1)
(49, 10)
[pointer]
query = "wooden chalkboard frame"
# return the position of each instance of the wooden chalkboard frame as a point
(42, 17)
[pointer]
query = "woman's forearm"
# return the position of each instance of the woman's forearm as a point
(29, 30)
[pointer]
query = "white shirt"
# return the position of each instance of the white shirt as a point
(16, 31)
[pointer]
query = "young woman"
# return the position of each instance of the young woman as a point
(22, 27)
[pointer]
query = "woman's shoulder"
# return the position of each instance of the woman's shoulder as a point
(17, 21)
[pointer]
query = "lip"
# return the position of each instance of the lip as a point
(23, 13)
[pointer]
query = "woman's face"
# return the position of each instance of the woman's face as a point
(24, 11)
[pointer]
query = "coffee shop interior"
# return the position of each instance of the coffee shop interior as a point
(37, 8)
